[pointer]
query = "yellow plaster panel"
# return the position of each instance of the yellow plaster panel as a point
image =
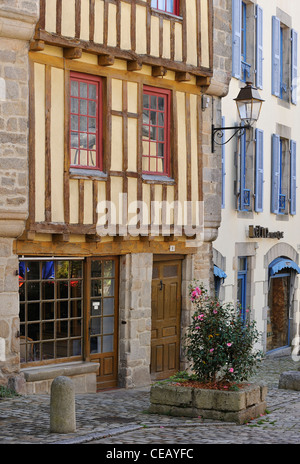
(166, 39)
(117, 143)
(125, 23)
(57, 144)
(141, 40)
(39, 86)
(74, 201)
(53, 51)
(112, 25)
(50, 13)
(98, 33)
(170, 201)
(85, 21)
(88, 58)
(181, 147)
(132, 198)
(101, 198)
(194, 151)
(132, 97)
(154, 51)
(116, 190)
(88, 202)
(132, 144)
(158, 199)
(178, 42)
(146, 200)
(68, 18)
(204, 34)
(192, 33)
(116, 103)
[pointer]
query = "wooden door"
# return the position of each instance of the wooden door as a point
(278, 312)
(102, 321)
(166, 306)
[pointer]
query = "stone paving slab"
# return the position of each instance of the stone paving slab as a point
(120, 416)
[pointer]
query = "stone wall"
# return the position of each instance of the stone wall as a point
(17, 23)
(135, 319)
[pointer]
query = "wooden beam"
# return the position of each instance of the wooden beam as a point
(72, 53)
(106, 60)
(182, 76)
(134, 65)
(64, 237)
(92, 238)
(203, 81)
(37, 45)
(159, 71)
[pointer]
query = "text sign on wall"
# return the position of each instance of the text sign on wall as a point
(263, 232)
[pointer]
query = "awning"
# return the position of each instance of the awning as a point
(282, 263)
(219, 273)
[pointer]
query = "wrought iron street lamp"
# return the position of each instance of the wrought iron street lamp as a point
(249, 105)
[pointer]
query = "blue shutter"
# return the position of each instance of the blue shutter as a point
(259, 47)
(275, 174)
(293, 178)
(276, 56)
(223, 165)
(236, 38)
(294, 65)
(259, 170)
(243, 198)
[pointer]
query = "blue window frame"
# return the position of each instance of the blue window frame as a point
(245, 66)
(242, 285)
(245, 193)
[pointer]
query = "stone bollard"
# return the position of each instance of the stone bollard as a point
(62, 406)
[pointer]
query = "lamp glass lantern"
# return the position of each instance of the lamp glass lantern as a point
(249, 104)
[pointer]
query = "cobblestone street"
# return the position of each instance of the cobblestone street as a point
(120, 417)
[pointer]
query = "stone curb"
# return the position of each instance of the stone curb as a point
(120, 430)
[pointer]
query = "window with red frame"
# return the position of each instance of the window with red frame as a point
(85, 121)
(169, 6)
(156, 131)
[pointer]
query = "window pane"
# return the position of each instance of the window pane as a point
(146, 101)
(83, 107)
(75, 306)
(75, 347)
(83, 125)
(108, 306)
(33, 270)
(75, 327)
(109, 268)
(83, 89)
(96, 308)
(108, 325)
(74, 140)
(74, 105)
(62, 309)
(92, 108)
(48, 310)
(95, 344)
(74, 88)
(108, 287)
(33, 291)
(76, 268)
(92, 91)
(92, 125)
(108, 343)
(74, 122)
(62, 349)
(33, 312)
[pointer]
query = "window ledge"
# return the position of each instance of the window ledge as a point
(87, 174)
(156, 179)
(168, 15)
(34, 374)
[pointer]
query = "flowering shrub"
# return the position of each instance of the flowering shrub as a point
(219, 344)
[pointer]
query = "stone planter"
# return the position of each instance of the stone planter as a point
(230, 406)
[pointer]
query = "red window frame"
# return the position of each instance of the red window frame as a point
(156, 4)
(87, 111)
(161, 140)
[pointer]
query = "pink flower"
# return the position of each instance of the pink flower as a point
(200, 317)
(197, 289)
(215, 311)
(229, 344)
(231, 369)
(197, 327)
(211, 350)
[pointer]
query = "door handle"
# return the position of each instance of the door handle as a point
(161, 285)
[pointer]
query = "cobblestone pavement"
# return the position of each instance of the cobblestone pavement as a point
(120, 417)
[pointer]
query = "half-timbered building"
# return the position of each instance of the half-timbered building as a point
(123, 190)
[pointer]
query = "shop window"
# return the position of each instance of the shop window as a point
(51, 310)
(85, 122)
(156, 131)
(168, 6)
(283, 194)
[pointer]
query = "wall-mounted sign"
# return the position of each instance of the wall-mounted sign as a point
(263, 232)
